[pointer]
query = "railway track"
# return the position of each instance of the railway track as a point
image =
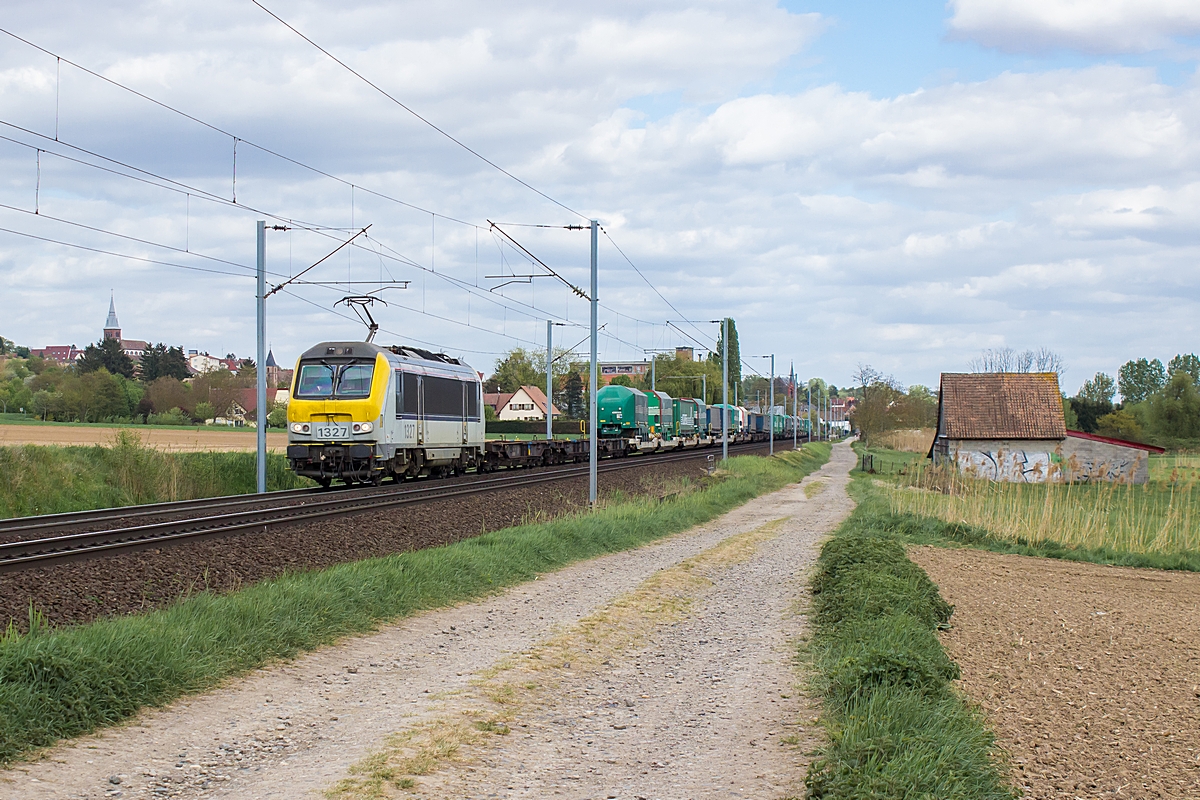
(43, 542)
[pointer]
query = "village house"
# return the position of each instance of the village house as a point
(1010, 427)
(527, 403)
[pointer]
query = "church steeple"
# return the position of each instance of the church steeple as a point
(112, 328)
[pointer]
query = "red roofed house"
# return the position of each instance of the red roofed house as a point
(1009, 427)
(526, 403)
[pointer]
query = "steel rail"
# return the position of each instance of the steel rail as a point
(47, 522)
(78, 546)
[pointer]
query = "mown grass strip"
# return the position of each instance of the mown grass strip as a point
(60, 683)
(897, 728)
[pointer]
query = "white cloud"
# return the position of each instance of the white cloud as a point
(1093, 26)
(836, 226)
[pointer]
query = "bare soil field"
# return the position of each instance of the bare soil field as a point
(175, 441)
(1090, 674)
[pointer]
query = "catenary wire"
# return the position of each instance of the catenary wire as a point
(270, 151)
(377, 88)
(223, 132)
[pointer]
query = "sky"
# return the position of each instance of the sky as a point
(856, 183)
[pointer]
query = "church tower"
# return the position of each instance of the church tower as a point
(112, 328)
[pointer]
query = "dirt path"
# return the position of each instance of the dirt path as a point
(658, 672)
(170, 440)
(1090, 674)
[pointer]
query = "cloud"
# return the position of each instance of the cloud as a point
(1091, 26)
(1028, 209)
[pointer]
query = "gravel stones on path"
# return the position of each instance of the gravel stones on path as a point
(1090, 674)
(687, 707)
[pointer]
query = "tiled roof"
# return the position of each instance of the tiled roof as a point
(1001, 405)
(539, 398)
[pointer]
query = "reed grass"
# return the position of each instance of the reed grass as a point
(1159, 517)
(56, 683)
(47, 479)
(916, 440)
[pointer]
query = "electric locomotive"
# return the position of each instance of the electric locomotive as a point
(360, 412)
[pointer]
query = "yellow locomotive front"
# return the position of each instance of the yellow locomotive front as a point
(335, 415)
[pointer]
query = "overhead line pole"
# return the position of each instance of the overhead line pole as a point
(549, 379)
(809, 405)
(592, 438)
(771, 416)
(725, 389)
(261, 378)
(795, 400)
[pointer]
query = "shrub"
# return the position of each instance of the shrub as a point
(173, 417)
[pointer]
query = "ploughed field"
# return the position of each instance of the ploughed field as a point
(174, 440)
(1089, 674)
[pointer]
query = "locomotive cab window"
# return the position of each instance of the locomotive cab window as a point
(355, 380)
(316, 380)
(324, 380)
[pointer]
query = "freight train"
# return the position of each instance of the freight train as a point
(360, 412)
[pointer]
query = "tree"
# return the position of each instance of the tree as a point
(151, 357)
(106, 353)
(519, 368)
(41, 403)
(174, 364)
(1137, 380)
(277, 417)
(1070, 418)
(205, 411)
(1005, 359)
(1175, 410)
(5, 346)
(620, 380)
(1100, 389)
(1185, 362)
(575, 408)
(735, 355)
(167, 393)
(1120, 424)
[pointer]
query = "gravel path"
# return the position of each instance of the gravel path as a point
(659, 672)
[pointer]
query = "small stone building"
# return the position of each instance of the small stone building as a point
(1009, 427)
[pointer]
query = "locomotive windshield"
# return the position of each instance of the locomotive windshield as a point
(319, 380)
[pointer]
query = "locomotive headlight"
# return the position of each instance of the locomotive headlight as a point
(299, 427)
(363, 427)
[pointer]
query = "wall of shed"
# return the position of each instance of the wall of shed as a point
(1041, 460)
(1011, 460)
(1085, 460)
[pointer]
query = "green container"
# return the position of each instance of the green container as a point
(661, 412)
(621, 413)
(687, 416)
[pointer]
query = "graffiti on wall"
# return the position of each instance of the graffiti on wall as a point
(1016, 465)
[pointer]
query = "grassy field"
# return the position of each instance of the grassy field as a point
(61, 683)
(41, 479)
(1160, 519)
(897, 729)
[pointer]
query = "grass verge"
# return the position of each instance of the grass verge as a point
(45, 479)
(61, 683)
(897, 728)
